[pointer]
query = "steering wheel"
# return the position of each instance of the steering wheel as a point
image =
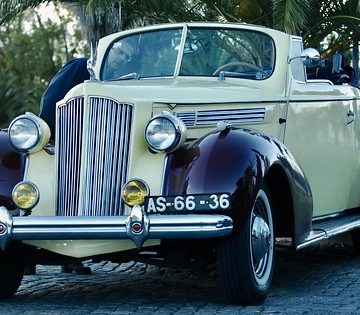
(241, 64)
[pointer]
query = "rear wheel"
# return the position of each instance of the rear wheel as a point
(11, 273)
(246, 259)
(355, 236)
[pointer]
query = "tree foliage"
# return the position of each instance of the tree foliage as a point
(334, 17)
(31, 52)
(286, 15)
(315, 19)
(103, 17)
(29, 61)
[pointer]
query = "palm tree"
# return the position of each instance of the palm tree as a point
(286, 15)
(337, 21)
(314, 19)
(102, 17)
(334, 16)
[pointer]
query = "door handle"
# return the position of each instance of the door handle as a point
(351, 117)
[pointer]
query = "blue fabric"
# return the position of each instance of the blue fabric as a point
(71, 74)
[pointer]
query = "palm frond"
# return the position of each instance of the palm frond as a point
(290, 16)
(346, 29)
(10, 9)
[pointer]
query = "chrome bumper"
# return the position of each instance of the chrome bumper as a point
(137, 226)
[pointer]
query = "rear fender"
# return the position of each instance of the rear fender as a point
(12, 167)
(237, 161)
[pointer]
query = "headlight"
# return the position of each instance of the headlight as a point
(29, 133)
(25, 195)
(134, 192)
(165, 133)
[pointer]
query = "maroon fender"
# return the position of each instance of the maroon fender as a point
(237, 161)
(12, 166)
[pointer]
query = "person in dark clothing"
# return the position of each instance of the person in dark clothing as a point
(71, 74)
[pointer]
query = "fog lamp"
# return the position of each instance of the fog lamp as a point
(134, 192)
(25, 195)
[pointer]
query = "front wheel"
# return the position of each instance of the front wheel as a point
(11, 272)
(246, 259)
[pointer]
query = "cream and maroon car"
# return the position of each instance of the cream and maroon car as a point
(190, 140)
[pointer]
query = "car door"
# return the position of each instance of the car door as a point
(321, 131)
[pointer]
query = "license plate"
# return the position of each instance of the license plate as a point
(187, 203)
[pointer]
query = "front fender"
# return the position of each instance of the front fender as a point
(237, 161)
(12, 166)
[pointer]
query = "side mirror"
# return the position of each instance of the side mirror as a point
(310, 57)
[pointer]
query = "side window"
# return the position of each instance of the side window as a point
(297, 68)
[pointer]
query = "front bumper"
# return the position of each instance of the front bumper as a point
(137, 226)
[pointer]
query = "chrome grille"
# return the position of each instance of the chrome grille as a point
(94, 188)
(69, 143)
(212, 117)
(106, 164)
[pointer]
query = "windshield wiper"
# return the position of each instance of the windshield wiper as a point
(129, 76)
(232, 74)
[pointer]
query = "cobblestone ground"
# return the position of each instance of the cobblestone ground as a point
(321, 280)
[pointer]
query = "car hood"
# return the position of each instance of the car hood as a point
(186, 91)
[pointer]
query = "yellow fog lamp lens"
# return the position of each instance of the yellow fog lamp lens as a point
(25, 195)
(134, 192)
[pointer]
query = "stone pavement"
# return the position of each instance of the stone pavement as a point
(320, 280)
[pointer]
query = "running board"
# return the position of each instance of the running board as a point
(325, 228)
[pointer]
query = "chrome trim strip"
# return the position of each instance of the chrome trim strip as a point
(212, 117)
(162, 187)
(95, 227)
(326, 229)
(319, 81)
(313, 238)
(26, 168)
(181, 51)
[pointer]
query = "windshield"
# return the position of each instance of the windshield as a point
(205, 52)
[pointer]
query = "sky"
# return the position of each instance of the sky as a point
(47, 11)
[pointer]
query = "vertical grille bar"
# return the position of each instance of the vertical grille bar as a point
(69, 139)
(107, 131)
(107, 156)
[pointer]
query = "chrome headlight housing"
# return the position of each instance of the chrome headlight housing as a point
(29, 133)
(165, 133)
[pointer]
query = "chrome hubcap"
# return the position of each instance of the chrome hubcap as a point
(260, 239)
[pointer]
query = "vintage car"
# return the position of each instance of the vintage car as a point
(189, 142)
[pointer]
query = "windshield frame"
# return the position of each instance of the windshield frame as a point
(184, 29)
